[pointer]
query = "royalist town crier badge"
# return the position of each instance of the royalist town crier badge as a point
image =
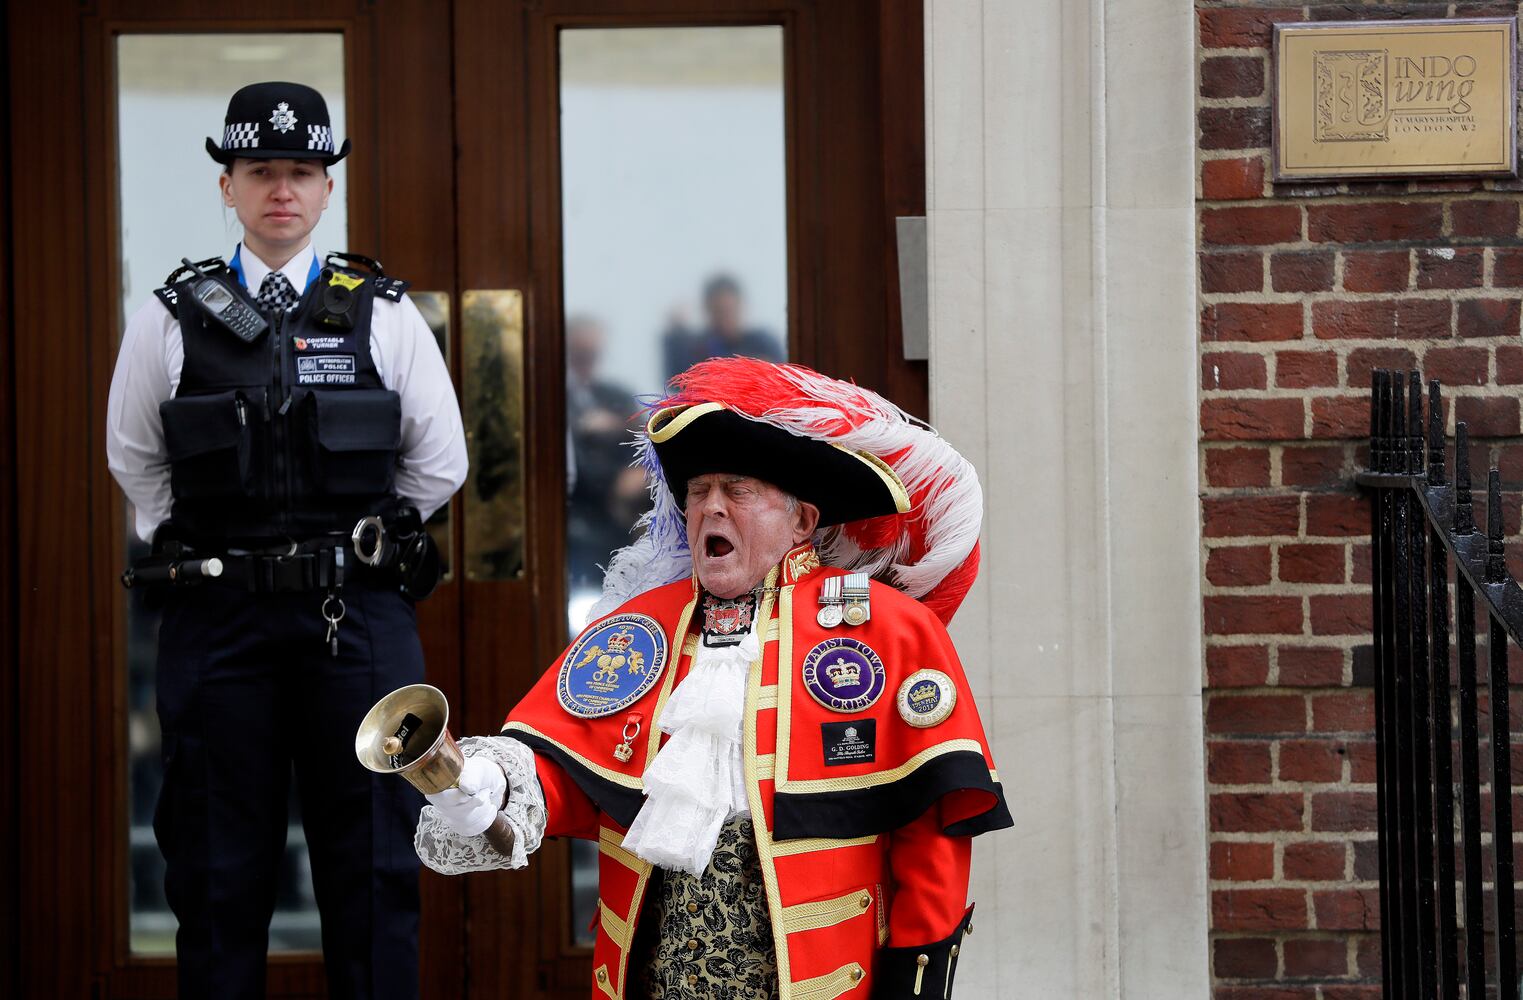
(844, 675)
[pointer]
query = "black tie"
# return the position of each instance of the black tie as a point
(276, 293)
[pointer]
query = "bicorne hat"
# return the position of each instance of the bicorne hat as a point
(896, 500)
(269, 121)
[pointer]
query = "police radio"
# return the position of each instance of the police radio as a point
(241, 320)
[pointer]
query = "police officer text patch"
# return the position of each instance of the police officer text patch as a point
(611, 666)
(850, 742)
(844, 675)
(325, 369)
(319, 343)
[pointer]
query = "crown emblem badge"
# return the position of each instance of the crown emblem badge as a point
(926, 698)
(283, 118)
(612, 666)
(843, 674)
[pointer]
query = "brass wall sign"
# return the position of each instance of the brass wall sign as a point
(1383, 98)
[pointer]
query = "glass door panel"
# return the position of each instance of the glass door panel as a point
(172, 92)
(674, 216)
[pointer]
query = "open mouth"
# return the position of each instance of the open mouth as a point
(716, 546)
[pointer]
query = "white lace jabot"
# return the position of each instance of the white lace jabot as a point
(697, 780)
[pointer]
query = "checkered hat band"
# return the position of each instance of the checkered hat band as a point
(320, 137)
(241, 135)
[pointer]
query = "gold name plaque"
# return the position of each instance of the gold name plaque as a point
(1384, 98)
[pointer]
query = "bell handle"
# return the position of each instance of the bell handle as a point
(500, 836)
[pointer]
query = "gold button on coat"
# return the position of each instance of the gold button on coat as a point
(857, 974)
(692, 944)
(692, 980)
(922, 960)
(692, 907)
(866, 901)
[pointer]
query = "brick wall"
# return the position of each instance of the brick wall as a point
(1304, 289)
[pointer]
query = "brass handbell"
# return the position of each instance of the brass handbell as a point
(407, 733)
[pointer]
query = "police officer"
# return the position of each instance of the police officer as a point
(283, 423)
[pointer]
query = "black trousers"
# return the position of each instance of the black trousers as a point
(247, 690)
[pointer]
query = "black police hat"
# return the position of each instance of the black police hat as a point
(268, 121)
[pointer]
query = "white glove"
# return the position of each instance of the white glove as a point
(471, 806)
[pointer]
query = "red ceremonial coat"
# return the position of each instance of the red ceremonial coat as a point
(863, 820)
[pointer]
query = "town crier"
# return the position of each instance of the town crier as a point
(765, 728)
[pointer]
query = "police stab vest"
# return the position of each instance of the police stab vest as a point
(289, 433)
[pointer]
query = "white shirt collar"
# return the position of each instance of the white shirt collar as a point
(296, 269)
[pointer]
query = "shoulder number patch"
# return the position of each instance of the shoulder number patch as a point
(844, 675)
(611, 666)
(171, 299)
(926, 698)
(391, 288)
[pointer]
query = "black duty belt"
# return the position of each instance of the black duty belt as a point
(262, 573)
(257, 572)
(399, 554)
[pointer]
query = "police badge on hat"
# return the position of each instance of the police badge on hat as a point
(270, 121)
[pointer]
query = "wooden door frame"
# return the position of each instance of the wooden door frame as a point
(10, 680)
(68, 864)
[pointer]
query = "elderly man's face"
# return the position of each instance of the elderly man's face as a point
(739, 527)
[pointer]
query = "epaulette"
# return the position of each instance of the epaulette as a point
(167, 293)
(170, 298)
(386, 288)
(390, 288)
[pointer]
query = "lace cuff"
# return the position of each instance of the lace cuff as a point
(448, 853)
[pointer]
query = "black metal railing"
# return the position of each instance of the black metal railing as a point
(1420, 525)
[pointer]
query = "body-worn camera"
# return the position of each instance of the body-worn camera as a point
(338, 305)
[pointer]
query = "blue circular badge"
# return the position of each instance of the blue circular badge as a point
(611, 666)
(844, 675)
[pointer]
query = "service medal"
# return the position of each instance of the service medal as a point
(829, 616)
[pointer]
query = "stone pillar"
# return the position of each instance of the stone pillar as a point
(1060, 155)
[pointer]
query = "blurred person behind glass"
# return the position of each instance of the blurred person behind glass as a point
(605, 496)
(724, 334)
